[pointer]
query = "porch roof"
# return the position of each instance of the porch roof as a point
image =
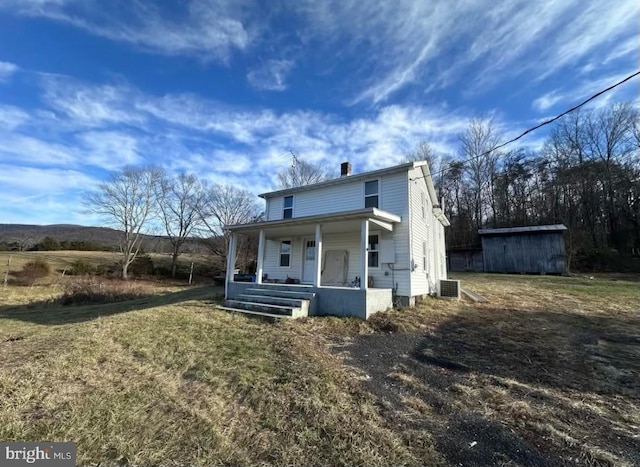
(380, 218)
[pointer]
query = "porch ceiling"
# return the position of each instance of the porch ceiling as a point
(347, 221)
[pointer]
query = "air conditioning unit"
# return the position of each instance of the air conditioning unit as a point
(449, 289)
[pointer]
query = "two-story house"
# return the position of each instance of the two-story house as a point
(350, 246)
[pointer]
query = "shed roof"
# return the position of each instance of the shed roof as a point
(527, 229)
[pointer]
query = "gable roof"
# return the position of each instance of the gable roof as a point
(361, 176)
(530, 228)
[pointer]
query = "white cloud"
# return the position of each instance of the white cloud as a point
(473, 45)
(207, 29)
(270, 75)
(547, 100)
(119, 125)
(12, 117)
(586, 88)
(7, 70)
(111, 150)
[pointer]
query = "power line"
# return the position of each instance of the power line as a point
(546, 122)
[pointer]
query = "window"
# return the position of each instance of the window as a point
(424, 208)
(288, 207)
(285, 253)
(371, 194)
(310, 250)
(424, 256)
(374, 251)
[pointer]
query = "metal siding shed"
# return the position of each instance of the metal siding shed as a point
(527, 250)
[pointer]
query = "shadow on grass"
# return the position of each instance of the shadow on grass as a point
(53, 313)
(593, 353)
(496, 387)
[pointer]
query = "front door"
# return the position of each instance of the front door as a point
(309, 261)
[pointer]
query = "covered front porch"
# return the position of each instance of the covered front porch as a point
(335, 257)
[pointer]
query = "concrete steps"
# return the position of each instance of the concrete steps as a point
(258, 314)
(271, 303)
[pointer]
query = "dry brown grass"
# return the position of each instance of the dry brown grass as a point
(167, 379)
(555, 360)
(171, 380)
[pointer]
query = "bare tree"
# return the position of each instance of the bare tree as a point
(126, 201)
(226, 205)
(180, 201)
(481, 166)
(438, 163)
(422, 152)
(301, 173)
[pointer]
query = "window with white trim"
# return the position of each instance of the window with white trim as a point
(424, 256)
(374, 251)
(371, 194)
(424, 207)
(285, 254)
(287, 212)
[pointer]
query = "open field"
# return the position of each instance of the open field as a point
(546, 373)
(64, 259)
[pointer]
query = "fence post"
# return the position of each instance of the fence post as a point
(191, 273)
(6, 274)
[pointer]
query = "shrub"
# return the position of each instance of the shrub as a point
(81, 268)
(34, 270)
(141, 266)
(92, 290)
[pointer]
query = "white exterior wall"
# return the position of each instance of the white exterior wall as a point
(349, 241)
(271, 265)
(420, 230)
(395, 199)
(429, 230)
(393, 195)
(274, 208)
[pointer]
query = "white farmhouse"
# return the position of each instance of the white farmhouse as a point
(350, 246)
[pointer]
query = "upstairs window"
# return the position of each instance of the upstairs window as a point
(285, 253)
(288, 207)
(371, 194)
(424, 207)
(374, 251)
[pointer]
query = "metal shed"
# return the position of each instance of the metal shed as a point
(465, 259)
(526, 250)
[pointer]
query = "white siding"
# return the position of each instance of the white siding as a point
(271, 265)
(423, 230)
(394, 198)
(347, 196)
(274, 208)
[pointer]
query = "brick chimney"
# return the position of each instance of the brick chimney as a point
(345, 169)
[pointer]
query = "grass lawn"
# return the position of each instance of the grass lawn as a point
(547, 371)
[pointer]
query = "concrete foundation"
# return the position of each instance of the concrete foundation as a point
(335, 301)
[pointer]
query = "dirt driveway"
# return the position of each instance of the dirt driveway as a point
(511, 387)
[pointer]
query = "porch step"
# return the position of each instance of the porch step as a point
(254, 313)
(291, 311)
(270, 300)
(272, 292)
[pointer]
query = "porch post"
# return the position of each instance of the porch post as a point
(260, 260)
(364, 257)
(318, 273)
(231, 263)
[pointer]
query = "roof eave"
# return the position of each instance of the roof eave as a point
(344, 179)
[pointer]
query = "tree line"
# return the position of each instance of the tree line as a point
(586, 176)
(142, 200)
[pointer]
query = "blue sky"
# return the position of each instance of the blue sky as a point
(225, 88)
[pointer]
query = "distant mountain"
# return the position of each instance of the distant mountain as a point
(102, 236)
